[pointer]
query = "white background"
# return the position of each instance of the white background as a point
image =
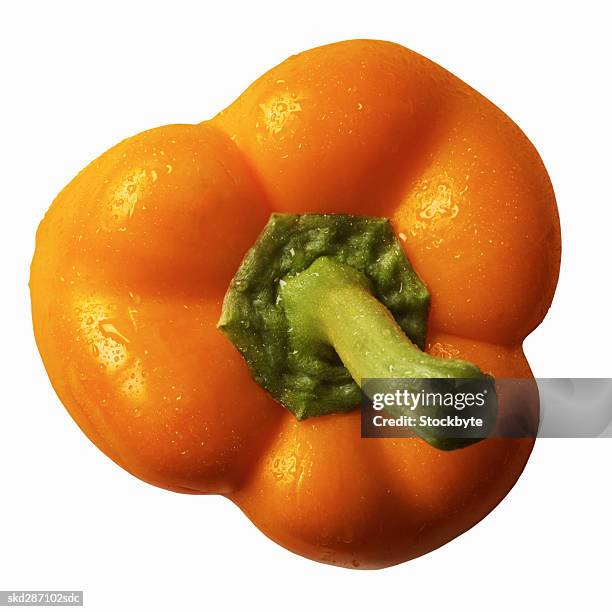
(78, 77)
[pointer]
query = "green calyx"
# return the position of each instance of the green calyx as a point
(322, 302)
(310, 379)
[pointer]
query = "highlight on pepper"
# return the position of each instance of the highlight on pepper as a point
(213, 301)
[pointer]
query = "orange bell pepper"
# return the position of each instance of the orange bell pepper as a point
(134, 257)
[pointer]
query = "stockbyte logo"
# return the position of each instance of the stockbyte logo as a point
(446, 412)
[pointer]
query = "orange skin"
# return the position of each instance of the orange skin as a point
(135, 254)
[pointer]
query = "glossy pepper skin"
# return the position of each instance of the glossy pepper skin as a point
(134, 256)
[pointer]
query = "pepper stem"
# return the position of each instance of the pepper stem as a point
(332, 303)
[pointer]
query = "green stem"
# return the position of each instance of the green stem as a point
(332, 303)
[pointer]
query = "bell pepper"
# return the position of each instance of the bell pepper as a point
(135, 256)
